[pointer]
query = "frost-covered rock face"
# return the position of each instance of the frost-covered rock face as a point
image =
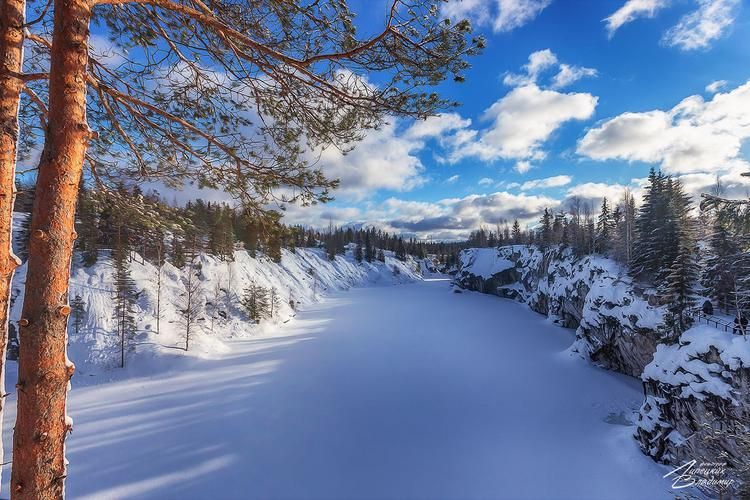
(615, 324)
(702, 378)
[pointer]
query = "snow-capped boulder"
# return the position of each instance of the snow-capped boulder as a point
(690, 385)
(615, 324)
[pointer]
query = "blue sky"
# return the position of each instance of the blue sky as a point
(589, 109)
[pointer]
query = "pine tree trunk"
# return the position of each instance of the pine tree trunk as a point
(44, 370)
(11, 57)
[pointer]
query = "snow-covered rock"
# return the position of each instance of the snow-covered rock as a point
(704, 377)
(615, 324)
(302, 277)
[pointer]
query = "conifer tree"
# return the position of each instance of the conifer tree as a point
(369, 249)
(719, 274)
(516, 233)
(646, 255)
(189, 303)
(546, 229)
(256, 302)
(125, 295)
(78, 313)
(604, 228)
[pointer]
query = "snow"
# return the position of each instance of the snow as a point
(484, 262)
(302, 276)
(685, 364)
(380, 392)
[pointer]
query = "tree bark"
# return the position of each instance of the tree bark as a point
(43, 369)
(12, 14)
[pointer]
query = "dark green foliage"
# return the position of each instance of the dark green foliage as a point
(77, 313)
(256, 303)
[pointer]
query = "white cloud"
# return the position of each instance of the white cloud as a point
(384, 159)
(632, 10)
(486, 181)
(570, 74)
(387, 158)
(522, 121)
(452, 179)
(501, 15)
(541, 61)
(698, 29)
(547, 182)
(515, 13)
(522, 166)
(593, 192)
(716, 86)
(694, 136)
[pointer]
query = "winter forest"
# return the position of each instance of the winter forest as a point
(443, 249)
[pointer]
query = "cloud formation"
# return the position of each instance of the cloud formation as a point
(695, 30)
(632, 10)
(547, 182)
(698, 29)
(500, 15)
(694, 136)
(521, 122)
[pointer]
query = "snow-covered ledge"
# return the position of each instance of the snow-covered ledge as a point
(616, 322)
(691, 386)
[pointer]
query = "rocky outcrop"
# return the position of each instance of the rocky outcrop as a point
(697, 399)
(616, 325)
(697, 388)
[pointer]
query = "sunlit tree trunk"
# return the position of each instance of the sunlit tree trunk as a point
(11, 61)
(43, 368)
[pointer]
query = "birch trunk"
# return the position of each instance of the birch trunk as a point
(43, 369)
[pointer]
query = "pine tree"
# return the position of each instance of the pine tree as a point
(646, 254)
(719, 274)
(546, 229)
(369, 249)
(256, 302)
(87, 229)
(358, 255)
(624, 231)
(124, 297)
(516, 233)
(604, 228)
(78, 313)
(678, 270)
(400, 250)
(381, 255)
(189, 303)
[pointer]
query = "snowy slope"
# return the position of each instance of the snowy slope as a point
(303, 277)
(407, 392)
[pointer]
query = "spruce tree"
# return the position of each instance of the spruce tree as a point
(646, 259)
(189, 306)
(516, 233)
(369, 249)
(256, 302)
(78, 313)
(604, 228)
(125, 296)
(719, 273)
(546, 229)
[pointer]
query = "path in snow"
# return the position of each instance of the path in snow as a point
(407, 391)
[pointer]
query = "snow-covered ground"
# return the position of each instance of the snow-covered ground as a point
(407, 391)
